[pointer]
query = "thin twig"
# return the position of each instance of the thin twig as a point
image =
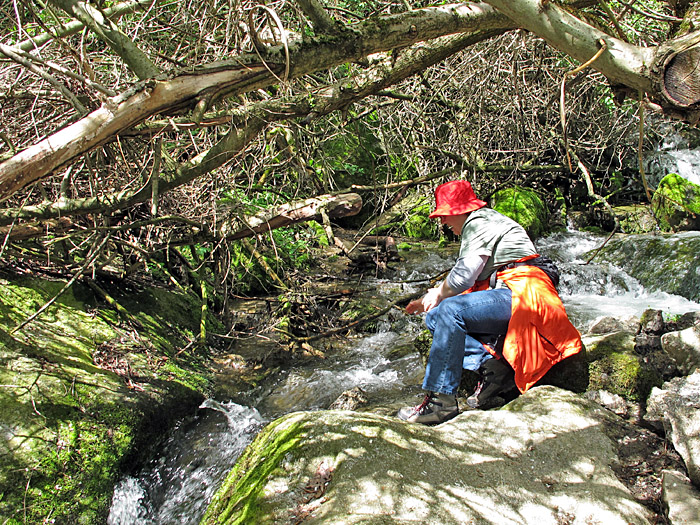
(562, 103)
(640, 146)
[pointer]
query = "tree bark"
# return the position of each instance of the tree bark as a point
(335, 206)
(246, 125)
(665, 73)
(110, 34)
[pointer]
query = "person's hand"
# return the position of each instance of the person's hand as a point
(415, 307)
(431, 299)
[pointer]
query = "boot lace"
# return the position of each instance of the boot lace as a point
(420, 409)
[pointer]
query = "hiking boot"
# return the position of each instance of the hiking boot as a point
(435, 408)
(497, 380)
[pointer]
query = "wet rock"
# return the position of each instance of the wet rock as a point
(680, 498)
(543, 458)
(684, 348)
(350, 400)
(635, 218)
(677, 406)
(659, 262)
(605, 325)
(652, 322)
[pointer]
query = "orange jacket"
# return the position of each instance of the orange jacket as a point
(539, 333)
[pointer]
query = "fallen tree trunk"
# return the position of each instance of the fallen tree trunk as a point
(668, 74)
(344, 205)
(247, 72)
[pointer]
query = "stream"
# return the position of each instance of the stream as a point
(177, 486)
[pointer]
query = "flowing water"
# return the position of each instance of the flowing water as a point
(178, 485)
(672, 155)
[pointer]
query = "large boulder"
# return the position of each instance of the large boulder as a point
(665, 262)
(676, 406)
(676, 204)
(680, 498)
(544, 458)
(684, 347)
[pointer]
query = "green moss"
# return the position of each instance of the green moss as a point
(613, 366)
(635, 218)
(80, 400)
(676, 204)
(418, 225)
(240, 495)
(523, 206)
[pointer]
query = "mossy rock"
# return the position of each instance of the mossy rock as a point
(676, 204)
(664, 262)
(409, 217)
(522, 463)
(85, 397)
(615, 367)
(523, 206)
(635, 218)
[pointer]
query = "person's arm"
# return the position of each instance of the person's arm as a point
(462, 277)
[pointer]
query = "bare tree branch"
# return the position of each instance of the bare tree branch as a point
(73, 27)
(107, 30)
(232, 77)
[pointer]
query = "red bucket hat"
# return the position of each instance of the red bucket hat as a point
(455, 198)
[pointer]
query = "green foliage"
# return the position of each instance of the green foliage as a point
(644, 29)
(419, 225)
(283, 249)
(289, 250)
(293, 250)
(318, 233)
(352, 157)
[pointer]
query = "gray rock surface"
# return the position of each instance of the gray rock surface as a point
(543, 459)
(677, 405)
(681, 498)
(684, 347)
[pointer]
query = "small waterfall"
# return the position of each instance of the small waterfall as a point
(177, 487)
(593, 290)
(672, 155)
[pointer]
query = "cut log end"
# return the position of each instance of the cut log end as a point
(682, 77)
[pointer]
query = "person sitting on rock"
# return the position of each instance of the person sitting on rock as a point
(497, 312)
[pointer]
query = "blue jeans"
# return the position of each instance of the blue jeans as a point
(451, 322)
